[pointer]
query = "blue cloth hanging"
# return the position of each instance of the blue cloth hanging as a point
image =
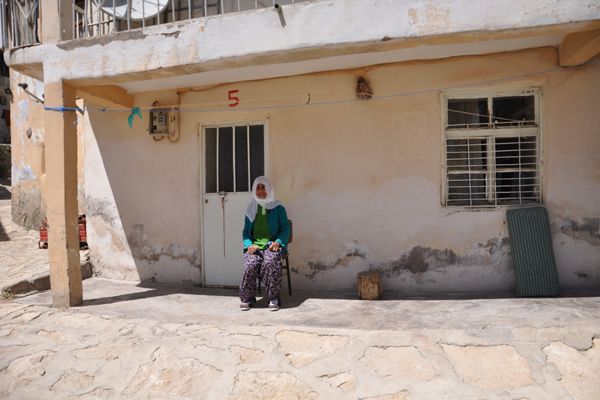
(134, 111)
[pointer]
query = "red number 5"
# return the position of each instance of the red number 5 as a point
(233, 99)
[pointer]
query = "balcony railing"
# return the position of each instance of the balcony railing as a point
(103, 17)
(20, 22)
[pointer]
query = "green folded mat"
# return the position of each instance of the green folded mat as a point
(532, 253)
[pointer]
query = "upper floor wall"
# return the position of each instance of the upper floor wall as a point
(178, 43)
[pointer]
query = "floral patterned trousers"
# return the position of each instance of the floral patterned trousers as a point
(263, 264)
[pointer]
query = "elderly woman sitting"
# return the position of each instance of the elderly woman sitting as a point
(266, 234)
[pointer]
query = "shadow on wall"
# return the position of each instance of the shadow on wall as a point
(133, 186)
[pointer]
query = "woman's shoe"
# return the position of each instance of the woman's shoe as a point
(273, 305)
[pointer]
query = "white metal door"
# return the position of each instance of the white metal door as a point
(234, 156)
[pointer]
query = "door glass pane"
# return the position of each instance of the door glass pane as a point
(211, 160)
(241, 159)
(257, 151)
(226, 159)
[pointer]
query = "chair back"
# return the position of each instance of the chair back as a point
(291, 231)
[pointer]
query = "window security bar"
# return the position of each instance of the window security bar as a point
(490, 171)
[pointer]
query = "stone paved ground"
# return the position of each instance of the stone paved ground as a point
(23, 265)
(20, 257)
(130, 342)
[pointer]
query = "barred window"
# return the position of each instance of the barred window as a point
(492, 149)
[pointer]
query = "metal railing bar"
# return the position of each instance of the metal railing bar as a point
(128, 12)
(104, 17)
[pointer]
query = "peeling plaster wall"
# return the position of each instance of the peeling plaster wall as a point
(27, 139)
(361, 180)
(141, 198)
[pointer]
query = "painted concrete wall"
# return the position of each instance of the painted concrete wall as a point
(361, 179)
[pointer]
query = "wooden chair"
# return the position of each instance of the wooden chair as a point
(285, 262)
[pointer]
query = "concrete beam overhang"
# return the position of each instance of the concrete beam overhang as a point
(313, 31)
(106, 96)
(580, 47)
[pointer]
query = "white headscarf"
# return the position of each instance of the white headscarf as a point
(267, 203)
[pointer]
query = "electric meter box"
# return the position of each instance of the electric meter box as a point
(163, 121)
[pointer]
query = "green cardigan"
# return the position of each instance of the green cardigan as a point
(278, 225)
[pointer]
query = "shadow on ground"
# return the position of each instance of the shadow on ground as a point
(299, 297)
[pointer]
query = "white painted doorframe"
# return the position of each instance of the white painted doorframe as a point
(231, 261)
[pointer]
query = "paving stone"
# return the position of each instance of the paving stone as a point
(23, 370)
(101, 352)
(26, 317)
(489, 367)
(398, 363)
(168, 374)
(73, 381)
(580, 370)
(246, 355)
(578, 340)
(395, 396)
(344, 381)
(303, 348)
(99, 393)
(55, 336)
(270, 385)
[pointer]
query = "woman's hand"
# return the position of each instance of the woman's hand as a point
(252, 249)
(275, 246)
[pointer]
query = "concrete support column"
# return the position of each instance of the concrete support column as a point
(57, 20)
(61, 170)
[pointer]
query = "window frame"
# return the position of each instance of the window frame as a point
(202, 127)
(490, 133)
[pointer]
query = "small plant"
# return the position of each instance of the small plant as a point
(7, 294)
